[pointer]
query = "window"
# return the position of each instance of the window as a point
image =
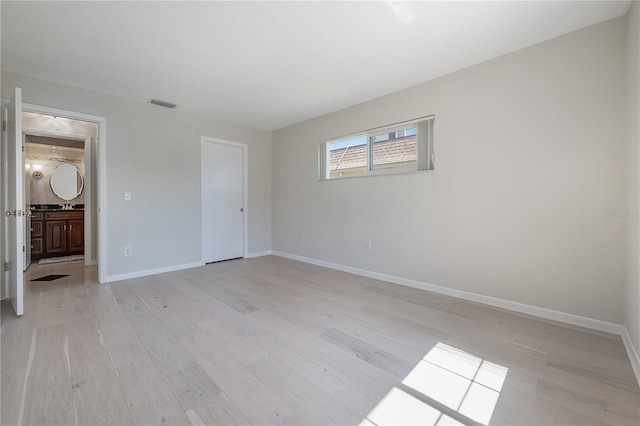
(399, 148)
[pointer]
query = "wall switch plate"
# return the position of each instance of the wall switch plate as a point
(128, 251)
(367, 246)
(127, 196)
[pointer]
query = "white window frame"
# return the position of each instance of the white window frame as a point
(425, 153)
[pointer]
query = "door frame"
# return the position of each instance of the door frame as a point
(245, 191)
(26, 191)
(88, 182)
(4, 232)
(101, 175)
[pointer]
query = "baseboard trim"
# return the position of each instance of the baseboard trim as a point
(632, 353)
(146, 273)
(258, 254)
(536, 311)
(550, 314)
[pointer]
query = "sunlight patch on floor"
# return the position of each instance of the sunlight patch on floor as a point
(398, 407)
(454, 378)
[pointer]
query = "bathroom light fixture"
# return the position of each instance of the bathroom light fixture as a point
(37, 171)
(161, 103)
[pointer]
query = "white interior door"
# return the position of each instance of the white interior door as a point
(15, 207)
(222, 201)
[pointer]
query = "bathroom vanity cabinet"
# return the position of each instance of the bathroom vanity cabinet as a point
(57, 233)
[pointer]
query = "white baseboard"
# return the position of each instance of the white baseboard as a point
(258, 254)
(146, 273)
(550, 314)
(632, 353)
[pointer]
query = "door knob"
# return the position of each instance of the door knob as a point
(17, 213)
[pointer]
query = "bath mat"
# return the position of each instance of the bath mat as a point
(62, 259)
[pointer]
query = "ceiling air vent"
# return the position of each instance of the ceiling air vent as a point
(161, 103)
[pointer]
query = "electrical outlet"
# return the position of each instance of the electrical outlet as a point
(128, 251)
(367, 246)
(127, 196)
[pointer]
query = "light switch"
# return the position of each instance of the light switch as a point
(127, 196)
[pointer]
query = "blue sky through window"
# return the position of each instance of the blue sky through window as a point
(361, 140)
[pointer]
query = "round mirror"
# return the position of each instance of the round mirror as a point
(66, 182)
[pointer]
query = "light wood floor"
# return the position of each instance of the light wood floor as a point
(274, 341)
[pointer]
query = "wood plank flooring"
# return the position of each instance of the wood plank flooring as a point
(274, 341)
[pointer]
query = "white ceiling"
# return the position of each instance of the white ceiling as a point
(272, 64)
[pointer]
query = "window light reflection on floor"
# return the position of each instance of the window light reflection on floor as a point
(454, 378)
(398, 407)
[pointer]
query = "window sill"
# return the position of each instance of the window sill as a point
(377, 174)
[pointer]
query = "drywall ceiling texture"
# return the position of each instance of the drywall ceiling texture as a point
(272, 63)
(529, 156)
(151, 153)
(632, 295)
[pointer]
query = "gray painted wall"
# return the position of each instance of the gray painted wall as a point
(632, 294)
(151, 154)
(530, 157)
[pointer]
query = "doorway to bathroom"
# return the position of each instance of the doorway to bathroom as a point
(16, 211)
(59, 190)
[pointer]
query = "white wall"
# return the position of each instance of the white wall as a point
(151, 154)
(530, 153)
(632, 295)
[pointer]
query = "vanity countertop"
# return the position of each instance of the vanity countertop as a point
(55, 207)
(58, 210)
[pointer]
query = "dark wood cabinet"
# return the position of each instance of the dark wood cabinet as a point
(63, 233)
(75, 234)
(56, 236)
(37, 249)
